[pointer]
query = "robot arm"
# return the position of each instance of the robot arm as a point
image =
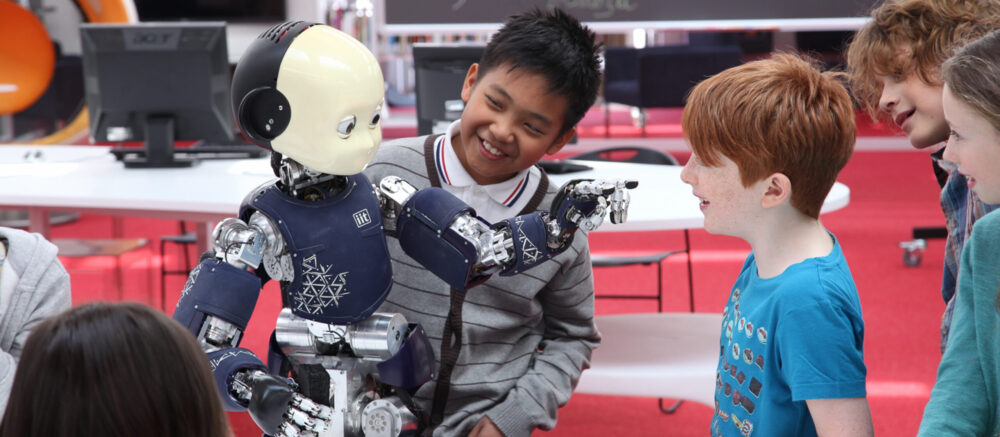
(216, 305)
(445, 235)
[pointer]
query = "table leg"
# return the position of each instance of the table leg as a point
(38, 221)
(203, 231)
(687, 248)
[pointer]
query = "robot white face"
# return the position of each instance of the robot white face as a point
(334, 87)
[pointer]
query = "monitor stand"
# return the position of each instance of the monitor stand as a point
(158, 152)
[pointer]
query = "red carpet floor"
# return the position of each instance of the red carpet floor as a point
(891, 193)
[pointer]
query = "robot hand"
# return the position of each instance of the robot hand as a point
(583, 203)
(279, 410)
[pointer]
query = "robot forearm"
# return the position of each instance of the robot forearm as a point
(217, 302)
(445, 235)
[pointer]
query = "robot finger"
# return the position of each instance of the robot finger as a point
(619, 206)
(287, 430)
(311, 408)
(304, 422)
(586, 188)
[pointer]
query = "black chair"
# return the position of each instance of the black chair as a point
(184, 240)
(660, 76)
(640, 155)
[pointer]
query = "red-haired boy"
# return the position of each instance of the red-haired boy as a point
(768, 139)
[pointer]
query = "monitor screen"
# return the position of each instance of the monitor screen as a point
(439, 70)
(629, 14)
(211, 10)
(157, 82)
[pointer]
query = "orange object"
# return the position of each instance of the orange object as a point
(108, 11)
(27, 58)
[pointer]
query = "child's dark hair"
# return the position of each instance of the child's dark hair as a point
(113, 369)
(555, 45)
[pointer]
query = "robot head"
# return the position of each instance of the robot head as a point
(313, 94)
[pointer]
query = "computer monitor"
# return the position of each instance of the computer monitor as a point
(440, 70)
(160, 83)
(230, 11)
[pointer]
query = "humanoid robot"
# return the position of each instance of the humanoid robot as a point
(313, 96)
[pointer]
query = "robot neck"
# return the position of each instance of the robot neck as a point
(307, 184)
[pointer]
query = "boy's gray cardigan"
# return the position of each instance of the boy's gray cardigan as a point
(42, 290)
(516, 345)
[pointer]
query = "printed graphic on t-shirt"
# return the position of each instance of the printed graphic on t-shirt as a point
(740, 378)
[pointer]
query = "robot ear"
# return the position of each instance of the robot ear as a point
(264, 113)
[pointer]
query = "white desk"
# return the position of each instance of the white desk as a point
(662, 201)
(672, 355)
(88, 179)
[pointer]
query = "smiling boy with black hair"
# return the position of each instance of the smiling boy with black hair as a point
(510, 350)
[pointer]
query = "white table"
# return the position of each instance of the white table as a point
(88, 179)
(40, 179)
(671, 355)
(662, 201)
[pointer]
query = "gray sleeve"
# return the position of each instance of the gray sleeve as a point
(569, 338)
(43, 290)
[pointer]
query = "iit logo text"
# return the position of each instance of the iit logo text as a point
(362, 218)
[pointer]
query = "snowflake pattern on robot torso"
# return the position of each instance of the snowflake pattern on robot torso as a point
(320, 288)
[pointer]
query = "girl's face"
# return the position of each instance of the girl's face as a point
(974, 147)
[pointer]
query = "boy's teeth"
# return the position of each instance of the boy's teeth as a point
(491, 149)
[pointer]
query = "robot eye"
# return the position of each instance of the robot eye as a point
(376, 116)
(345, 126)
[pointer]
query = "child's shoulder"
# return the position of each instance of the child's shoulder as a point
(403, 157)
(987, 228)
(406, 151)
(819, 280)
(406, 145)
(989, 223)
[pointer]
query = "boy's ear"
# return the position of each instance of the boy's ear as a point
(778, 190)
(470, 81)
(561, 141)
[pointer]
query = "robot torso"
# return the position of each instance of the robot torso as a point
(337, 248)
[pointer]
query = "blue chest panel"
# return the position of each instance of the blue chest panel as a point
(338, 250)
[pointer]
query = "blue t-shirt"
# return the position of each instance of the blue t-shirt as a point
(786, 339)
